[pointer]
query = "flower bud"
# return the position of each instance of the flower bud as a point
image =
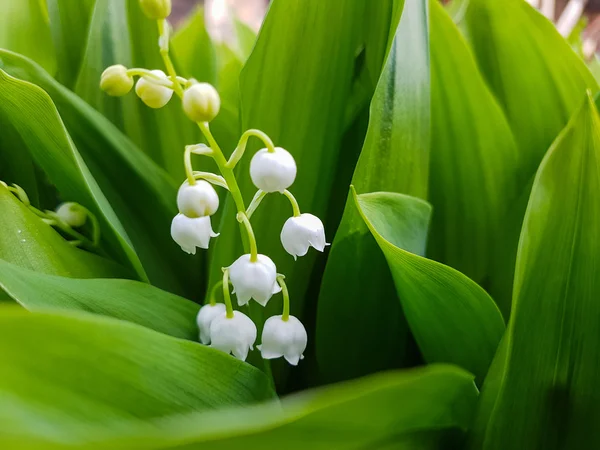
(300, 233)
(156, 9)
(254, 279)
(72, 214)
(190, 232)
(201, 102)
(283, 338)
(273, 171)
(152, 94)
(197, 200)
(115, 81)
(205, 317)
(233, 335)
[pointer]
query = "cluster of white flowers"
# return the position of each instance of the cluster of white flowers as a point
(272, 170)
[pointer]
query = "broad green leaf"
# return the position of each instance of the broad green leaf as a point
(24, 29)
(451, 317)
(474, 159)
(357, 280)
(142, 195)
(28, 242)
(548, 389)
(404, 409)
(538, 81)
(33, 115)
(65, 376)
(282, 90)
(69, 22)
(193, 50)
(119, 33)
(122, 299)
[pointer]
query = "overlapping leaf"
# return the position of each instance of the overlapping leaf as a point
(142, 194)
(33, 115)
(65, 376)
(122, 299)
(357, 281)
(475, 162)
(451, 317)
(405, 410)
(547, 390)
(30, 243)
(539, 81)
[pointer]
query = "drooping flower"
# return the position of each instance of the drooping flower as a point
(192, 232)
(72, 214)
(152, 94)
(197, 200)
(285, 338)
(233, 335)
(273, 171)
(300, 233)
(254, 279)
(205, 317)
(115, 81)
(201, 102)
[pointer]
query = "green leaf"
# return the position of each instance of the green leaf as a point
(394, 158)
(33, 115)
(119, 33)
(30, 243)
(451, 317)
(526, 63)
(193, 50)
(122, 299)
(402, 407)
(142, 194)
(24, 29)
(474, 159)
(69, 22)
(546, 397)
(66, 376)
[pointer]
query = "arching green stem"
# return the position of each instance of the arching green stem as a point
(226, 295)
(243, 218)
(238, 153)
(212, 297)
(163, 32)
(293, 202)
(285, 316)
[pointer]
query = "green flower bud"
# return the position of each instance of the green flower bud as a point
(152, 94)
(201, 102)
(115, 81)
(73, 214)
(156, 9)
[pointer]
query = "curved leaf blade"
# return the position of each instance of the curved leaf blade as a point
(475, 162)
(395, 157)
(30, 243)
(451, 317)
(31, 112)
(127, 300)
(64, 376)
(548, 376)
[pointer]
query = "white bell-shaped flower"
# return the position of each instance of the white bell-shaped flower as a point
(233, 335)
(257, 280)
(205, 317)
(300, 233)
(152, 94)
(197, 200)
(283, 338)
(273, 171)
(192, 232)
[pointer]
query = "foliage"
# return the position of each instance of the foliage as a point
(453, 153)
